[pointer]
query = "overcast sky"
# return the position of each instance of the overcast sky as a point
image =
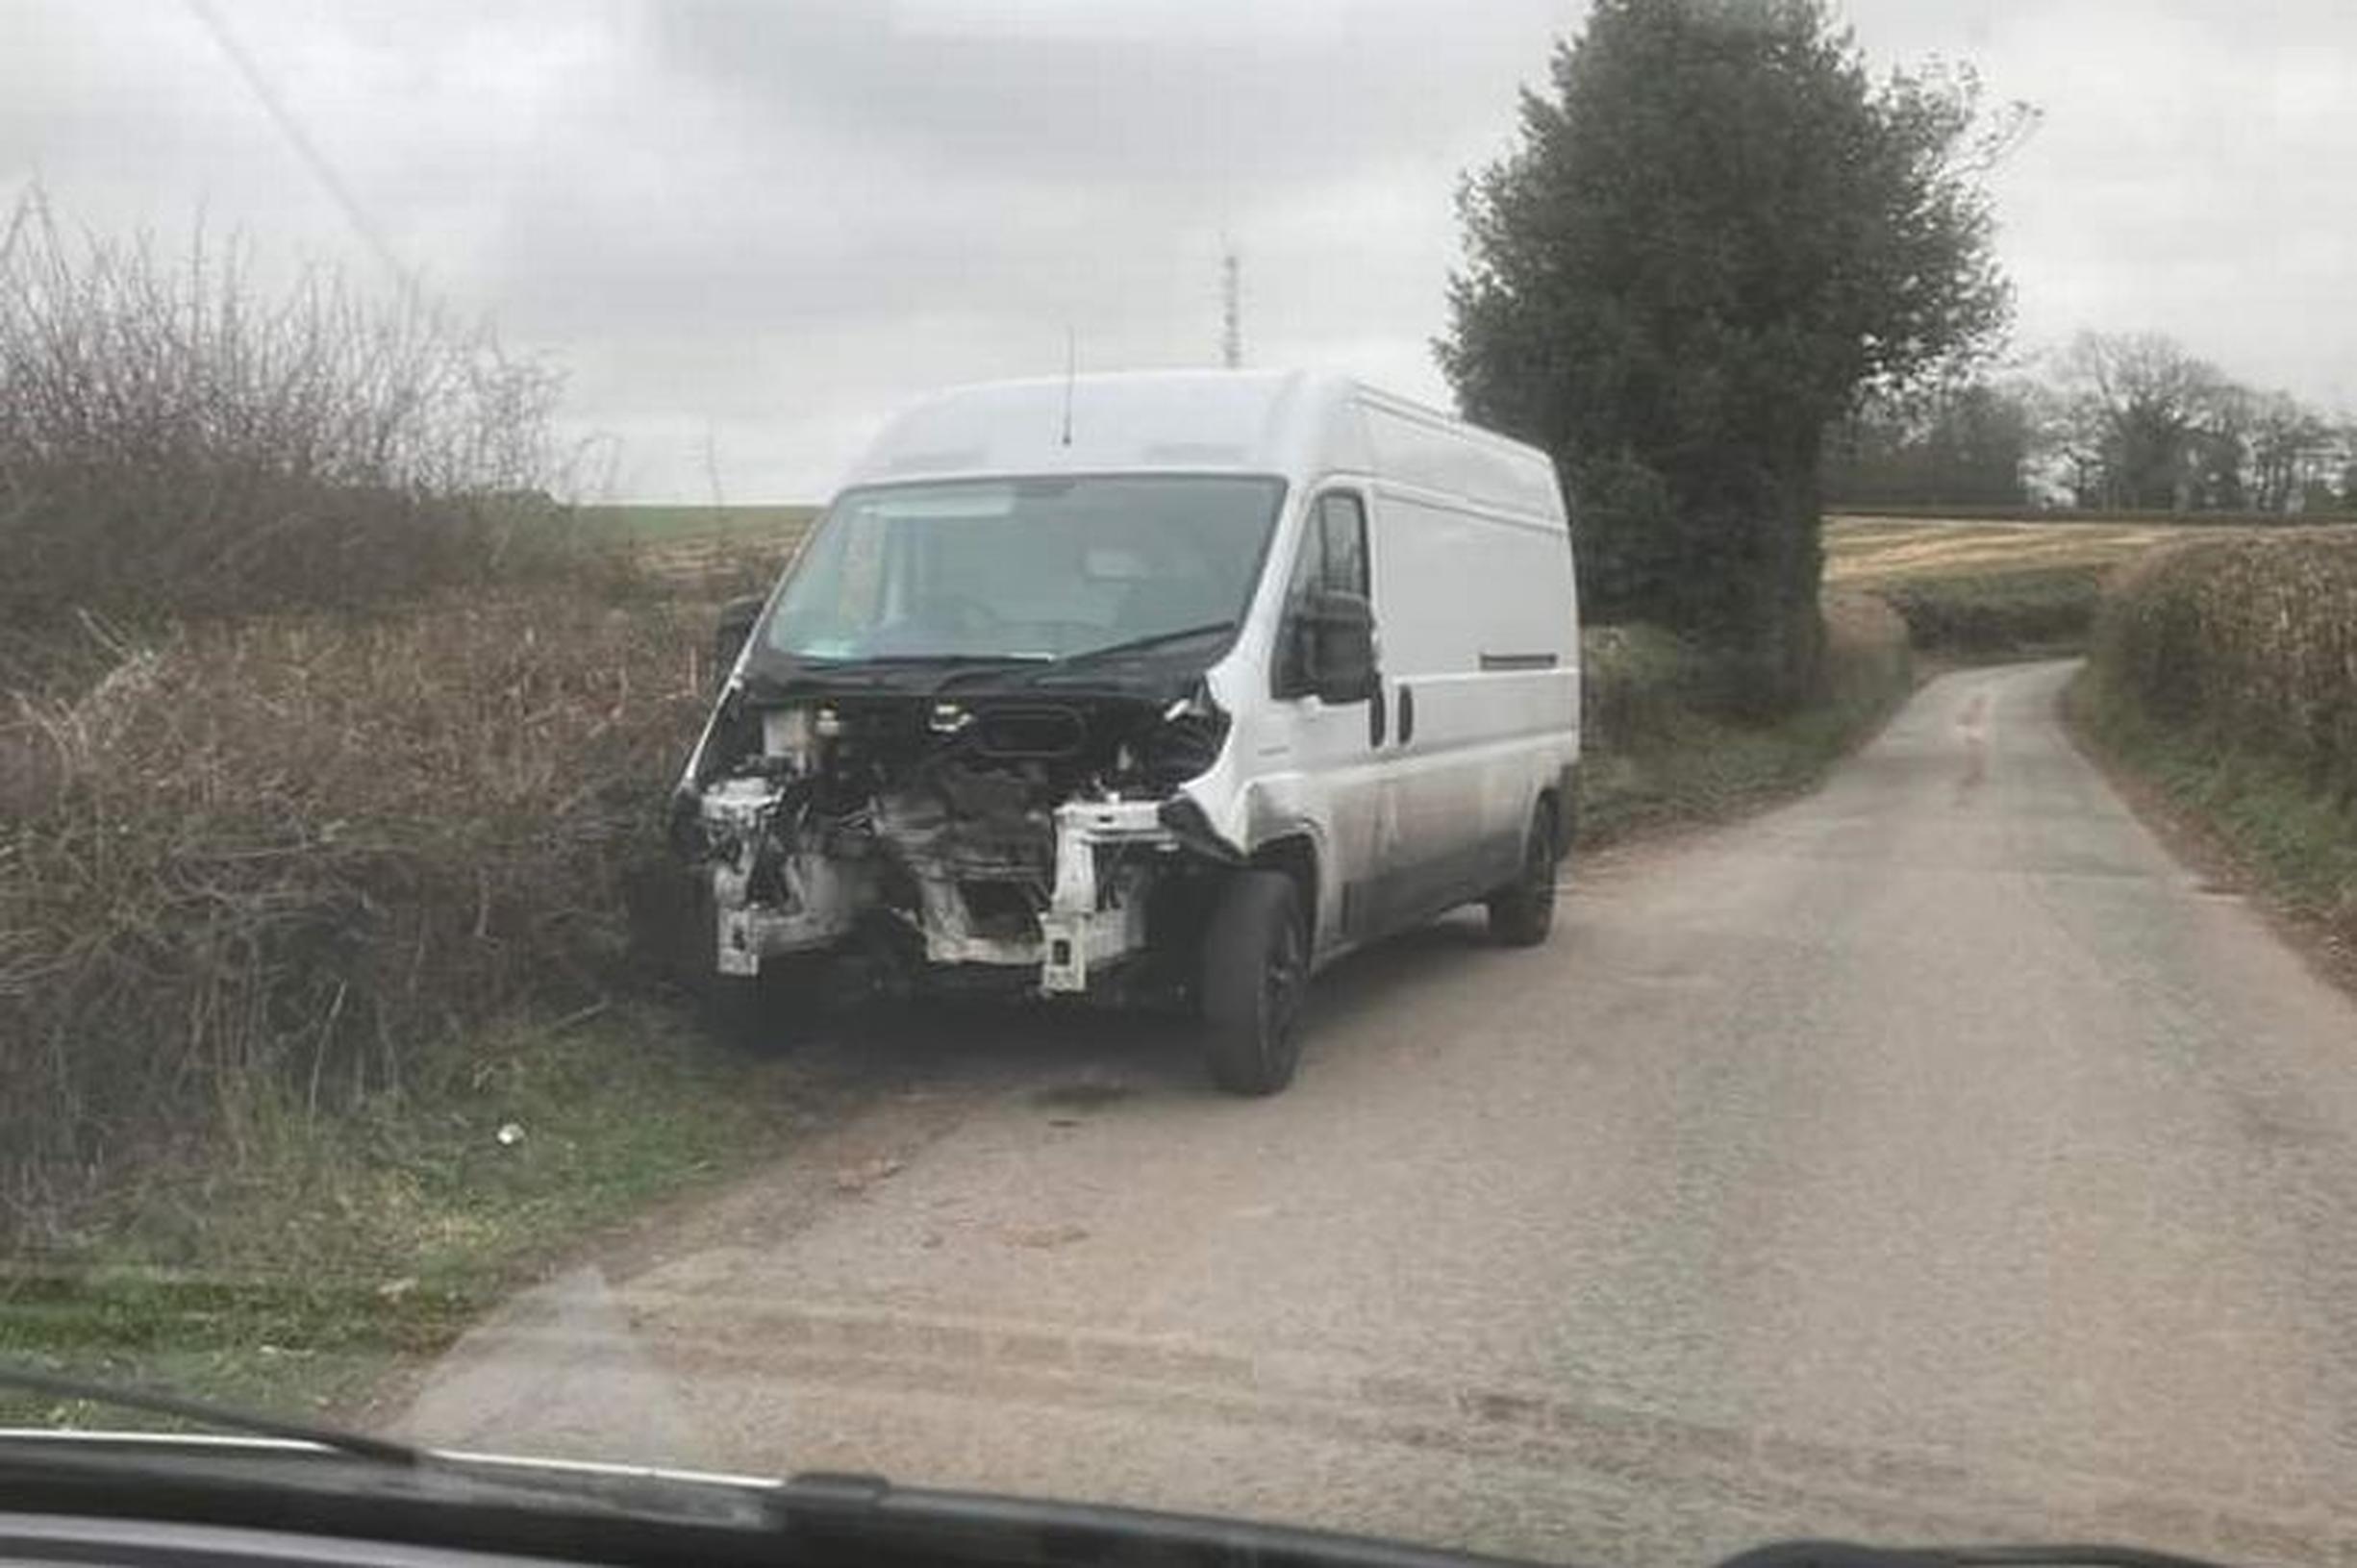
(762, 226)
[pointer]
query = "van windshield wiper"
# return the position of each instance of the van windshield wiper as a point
(975, 667)
(862, 662)
(882, 671)
(1152, 639)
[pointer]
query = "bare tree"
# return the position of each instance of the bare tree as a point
(2287, 441)
(1954, 443)
(173, 437)
(2136, 405)
(2217, 449)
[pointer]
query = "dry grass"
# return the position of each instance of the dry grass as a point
(1872, 552)
(1993, 589)
(720, 566)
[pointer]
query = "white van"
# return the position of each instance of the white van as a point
(1146, 687)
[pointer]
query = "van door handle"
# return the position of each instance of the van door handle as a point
(1407, 715)
(1376, 716)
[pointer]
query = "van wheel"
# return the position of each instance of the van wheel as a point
(1522, 912)
(1255, 969)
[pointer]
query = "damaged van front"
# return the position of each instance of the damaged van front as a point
(966, 739)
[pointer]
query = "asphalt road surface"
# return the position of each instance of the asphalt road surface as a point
(1934, 1157)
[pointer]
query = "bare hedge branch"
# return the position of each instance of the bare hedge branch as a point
(287, 865)
(173, 440)
(2252, 639)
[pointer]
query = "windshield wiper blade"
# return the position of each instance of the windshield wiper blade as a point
(219, 1417)
(874, 672)
(1152, 639)
(975, 667)
(618, 1491)
(909, 660)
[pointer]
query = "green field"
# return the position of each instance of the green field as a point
(707, 550)
(659, 522)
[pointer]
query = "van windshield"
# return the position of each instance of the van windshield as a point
(1041, 568)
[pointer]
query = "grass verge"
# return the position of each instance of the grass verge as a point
(1663, 752)
(293, 1279)
(2223, 676)
(2265, 813)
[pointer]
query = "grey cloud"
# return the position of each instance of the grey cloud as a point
(766, 225)
(1233, 103)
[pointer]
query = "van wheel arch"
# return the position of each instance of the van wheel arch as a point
(1522, 911)
(1559, 822)
(1562, 798)
(1296, 856)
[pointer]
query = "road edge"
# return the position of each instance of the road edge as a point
(2199, 843)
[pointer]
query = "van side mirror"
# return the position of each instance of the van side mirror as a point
(736, 624)
(1340, 629)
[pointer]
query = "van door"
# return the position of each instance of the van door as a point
(1333, 744)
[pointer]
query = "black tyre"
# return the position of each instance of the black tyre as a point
(736, 1010)
(1256, 967)
(782, 1007)
(1522, 912)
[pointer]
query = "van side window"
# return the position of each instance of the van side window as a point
(1341, 530)
(1333, 557)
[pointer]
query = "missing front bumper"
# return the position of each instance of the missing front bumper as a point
(1106, 857)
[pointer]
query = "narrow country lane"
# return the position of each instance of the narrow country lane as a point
(1931, 1157)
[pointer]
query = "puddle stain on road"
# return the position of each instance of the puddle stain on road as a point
(1082, 1094)
(1972, 729)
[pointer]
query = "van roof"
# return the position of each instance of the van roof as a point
(1298, 424)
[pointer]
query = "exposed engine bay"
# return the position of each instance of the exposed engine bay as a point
(1026, 832)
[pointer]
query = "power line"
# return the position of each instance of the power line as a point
(283, 117)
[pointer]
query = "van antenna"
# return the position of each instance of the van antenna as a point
(1071, 367)
(1231, 307)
